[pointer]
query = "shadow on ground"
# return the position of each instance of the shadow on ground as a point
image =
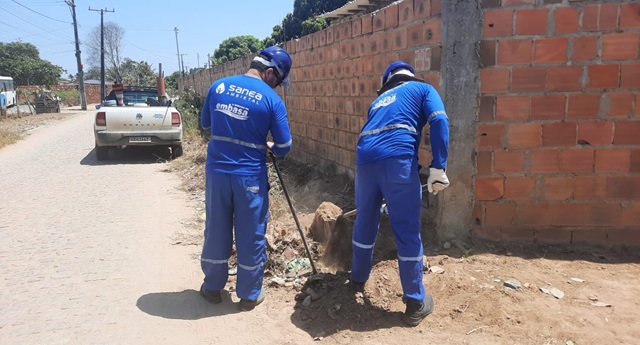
(130, 155)
(339, 308)
(184, 305)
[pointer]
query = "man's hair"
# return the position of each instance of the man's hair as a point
(259, 66)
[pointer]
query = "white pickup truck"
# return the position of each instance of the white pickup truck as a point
(137, 123)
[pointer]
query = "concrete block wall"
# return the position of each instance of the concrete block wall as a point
(558, 135)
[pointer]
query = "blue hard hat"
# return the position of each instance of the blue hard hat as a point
(279, 59)
(395, 66)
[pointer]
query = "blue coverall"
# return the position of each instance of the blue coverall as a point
(240, 111)
(387, 167)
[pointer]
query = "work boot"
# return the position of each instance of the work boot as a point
(356, 286)
(248, 305)
(212, 296)
(417, 311)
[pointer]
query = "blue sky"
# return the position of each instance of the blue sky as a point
(149, 27)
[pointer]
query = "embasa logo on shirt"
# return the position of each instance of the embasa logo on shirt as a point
(385, 101)
(236, 111)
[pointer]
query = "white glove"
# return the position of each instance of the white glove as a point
(437, 180)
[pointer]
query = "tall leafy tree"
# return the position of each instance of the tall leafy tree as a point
(235, 47)
(22, 62)
(113, 37)
(303, 20)
(137, 72)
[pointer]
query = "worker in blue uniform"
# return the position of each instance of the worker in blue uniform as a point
(241, 111)
(387, 167)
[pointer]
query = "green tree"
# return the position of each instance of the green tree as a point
(313, 24)
(137, 72)
(171, 81)
(235, 47)
(303, 20)
(22, 62)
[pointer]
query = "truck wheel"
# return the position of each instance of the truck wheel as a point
(176, 151)
(102, 153)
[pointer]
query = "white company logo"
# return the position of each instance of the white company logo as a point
(384, 102)
(236, 111)
(245, 94)
(220, 89)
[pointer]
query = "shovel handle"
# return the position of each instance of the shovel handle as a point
(352, 213)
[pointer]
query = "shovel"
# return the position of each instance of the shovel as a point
(383, 208)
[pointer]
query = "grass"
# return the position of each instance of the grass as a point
(8, 136)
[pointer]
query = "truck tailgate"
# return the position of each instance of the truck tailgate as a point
(138, 119)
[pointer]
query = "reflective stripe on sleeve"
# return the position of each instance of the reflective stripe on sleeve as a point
(238, 142)
(287, 144)
(387, 128)
(439, 112)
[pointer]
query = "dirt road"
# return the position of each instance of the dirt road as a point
(87, 254)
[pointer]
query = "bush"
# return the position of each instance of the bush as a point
(189, 104)
(69, 97)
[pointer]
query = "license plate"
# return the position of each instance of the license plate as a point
(140, 140)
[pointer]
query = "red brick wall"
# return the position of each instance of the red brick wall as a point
(558, 131)
(558, 134)
(92, 91)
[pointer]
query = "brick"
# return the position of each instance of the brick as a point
(553, 236)
(550, 50)
(589, 187)
(512, 108)
(374, 44)
(608, 17)
(488, 234)
(489, 188)
(505, 162)
(546, 161)
(626, 133)
(532, 21)
(533, 214)
(436, 7)
(514, 52)
(619, 104)
(548, 107)
(391, 16)
(630, 16)
(432, 29)
(622, 46)
(630, 214)
(583, 106)
(559, 134)
(415, 34)
(623, 187)
(498, 23)
(367, 24)
(603, 76)
(595, 133)
(556, 188)
(623, 237)
(591, 237)
(569, 215)
(488, 53)
(635, 161)
(630, 76)
(490, 136)
(405, 12)
(613, 161)
(519, 187)
(483, 163)
(564, 78)
(486, 108)
(523, 135)
(378, 21)
(490, 3)
(421, 8)
(499, 213)
(577, 161)
(567, 20)
(518, 234)
(590, 17)
(528, 79)
(495, 80)
(585, 48)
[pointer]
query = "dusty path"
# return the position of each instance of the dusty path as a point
(86, 254)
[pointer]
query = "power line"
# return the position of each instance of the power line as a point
(39, 27)
(57, 20)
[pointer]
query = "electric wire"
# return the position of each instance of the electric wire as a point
(34, 11)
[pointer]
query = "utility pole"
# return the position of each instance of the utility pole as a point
(83, 96)
(182, 59)
(209, 60)
(198, 54)
(178, 49)
(101, 49)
